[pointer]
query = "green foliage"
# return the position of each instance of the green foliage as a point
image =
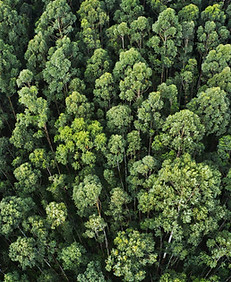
(28, 178)
(72, 256)
(166, 41)
(133, 252)
(15, 277)
(95, 227)
(59, 70)
(212, 106)
(173, 277)
(56, 214)
(115, 125)
(129, 10)
(92, 18)
(13, 28)
(9, 69)
(86, 194)
(183, 132)
(56, 20)
(116, 146)
(82, 141)
(97, 65)
(136, 82)
(216, 60)
(25, 252)
(36, 53)
(126, 61)
(93, 273)
(13, 211)
(119, 118)
(104, 91)
(184, 202)
(118, 208)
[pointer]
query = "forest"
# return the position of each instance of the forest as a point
(115, 143)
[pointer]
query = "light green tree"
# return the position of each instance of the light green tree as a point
(86, 195)
(56, 214)
(166, 41)
(134, 251)
(24, 251)
(212, 106)
(182, 132)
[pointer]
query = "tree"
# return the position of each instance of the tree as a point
(24, 251)
(126, 61)
(224, 150)
(134, 144)
(13, 28)
(152, 110)
(119, 118)
(77, 105)
(9, 69)
(141, 174)
(222, 80)
(140, 30)
(116, 154)
(216, 61)
(36, 54)
(56, 21)
(186, 81)
(182, 132)
(59, 70)
(32, 124)
(134, 251)
(182, 206)
(15, 277)
(118, 208)
(136, 82)
(93, 18)
(188, 16)
(86, 195)
(72, 256)
(25, 78)
(104, 91)
(93, 273)
(118, 36)
(218, 255)
(95, 228)
(166, 41)
(38, 227)
(79, 143)
(28, 179)
(212, 106)
(129, 11)
(97, 65)
(173, 276)
(13, 211)
(56, 214)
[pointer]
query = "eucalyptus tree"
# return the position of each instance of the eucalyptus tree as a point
(212, 106)
(13, 211)
(133, 252)
(93, 273)
(93, 19)
(129, 11)
(9, 69)
(165, 42)
(182, 207)
(86, 195)
(60, 69)
(182, 132)
(97, 65)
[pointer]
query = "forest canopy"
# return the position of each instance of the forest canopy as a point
(115, 144)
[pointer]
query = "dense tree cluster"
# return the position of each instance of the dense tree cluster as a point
(115, 145)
